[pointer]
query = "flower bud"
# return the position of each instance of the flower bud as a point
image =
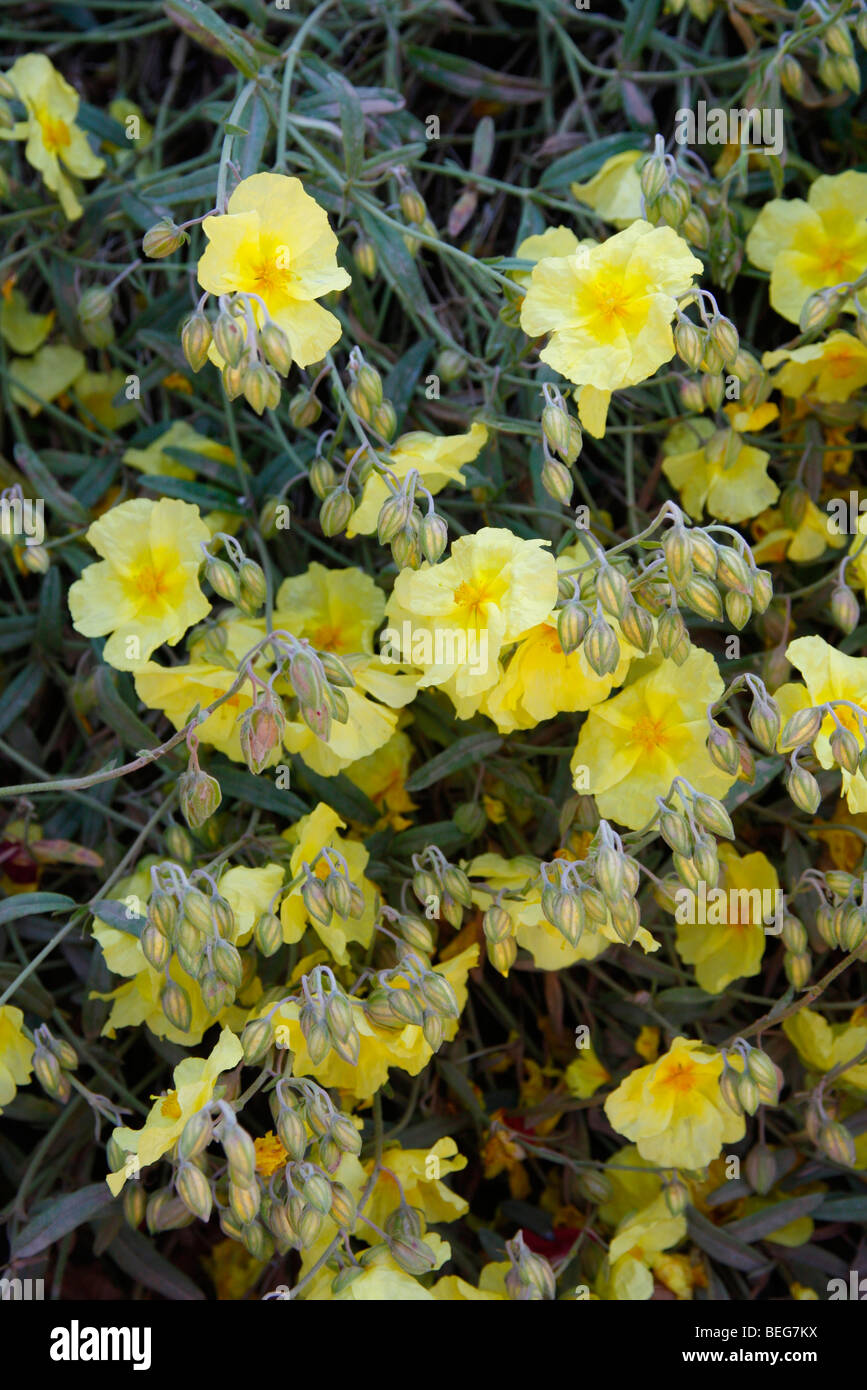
(612, 590)
(702, 596)
(200, 796)
(803, 789)
(728, 1085)
(723, 749)
(162, 239)
(175, 1004)
(496, 923)
(156, 948)
(713, 816)
(572, 623)
(557, 481)
(689, 343)
(761, 1169)
(748, 1094)
(503, 954)
(229, 338)
(433, 537)
(653, 177)
(196, 337)
(385, 419)
(836, 1141)
(724, 337)
(676, 1196)
(845, 749)
(601, 647)
(194, 1191)
(336, 511)
(412, 206)
(801, 729)
(365, 257)
(678, 554)
(261, 732)
(845, 609)
(672, 636)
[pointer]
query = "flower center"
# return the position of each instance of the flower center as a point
(151, 582)
(612, 299)
(650, 733)
(328, 638)
(270, 272)
(680, 1076)
(842, 364)
(473, 596)
(55, 133)
(170, 1107)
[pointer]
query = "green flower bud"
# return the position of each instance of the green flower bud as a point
(336, 511)
(803, 789)
(601, 647)
(196, 338)
(162, 239)
(194, 1191)
(200, 796)
(175, 1004)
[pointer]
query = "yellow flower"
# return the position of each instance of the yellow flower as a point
(635, 744)
(249, 893)
(233, 1270)
(673, 1109)
(828, 371)
(275, 242)
(176, 690)
(829, 675)
(822, 1046)
(614, 192)
(382, 776)
(310, 835)
(44, 376)
(647, 1043)
(857, 571)
(195, 1081)
(372, 718)
(609, 312)
(16, 1054)
(731, 942)
(810, 246)
(22, 330)
(437, 459)
(730, 480)
(586, 1074)
(96, 392)
(418, 1173)
(381, 1048)
(554, 241)
(55, 144)
(648, 1231)
(502, 1153)
(453, 619)
(121, 109)
(336, 610)
(452, 1289)
(270, 1154)
(812, 538)
(541, 681)
(157, 458)
(145, 590)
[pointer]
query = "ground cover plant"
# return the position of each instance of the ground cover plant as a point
(433, 687)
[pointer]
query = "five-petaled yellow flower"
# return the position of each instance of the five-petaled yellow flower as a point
(145, 590)
(274, 241)
(56, 146)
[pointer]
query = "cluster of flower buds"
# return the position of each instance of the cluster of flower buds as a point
(413, 537)
(327, 1017)
(711, 578)
(666, 194)
(365, 394)
(499, 929)
(848, 750)
(833, 53)
(797, 960)
(841, 918)
(238, 580)
(711, 348)
(302, 1109)
(254, 358)
(442, 888)
(262, 728)
(599, 889)
(192, 1182)
(329, 888)
(758, 1083)
(52, 1059)
(530, 1278)
(561, 434)
(318, 681)
(411, 993)
(198, 926)
(690, 832)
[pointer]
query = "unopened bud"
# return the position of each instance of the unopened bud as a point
(162, 239)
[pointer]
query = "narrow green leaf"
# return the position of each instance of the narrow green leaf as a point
(464, 753)
(722, 1247)
(135, 1255)
(33, 905)
(59, 1217)
(762, 1223)
(20, 694)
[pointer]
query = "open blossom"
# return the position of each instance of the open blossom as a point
(274, 241)
(145, 589)
(438, 459)
(16, 1054)
(716, 470)
(55, 146)
(673, 1109)
(635, 744)
(810, 246)
(614, 191)
(831, 370)
(195, 1080)
(493, 586)
(726, 941)
(609, 310)
(829, 675)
